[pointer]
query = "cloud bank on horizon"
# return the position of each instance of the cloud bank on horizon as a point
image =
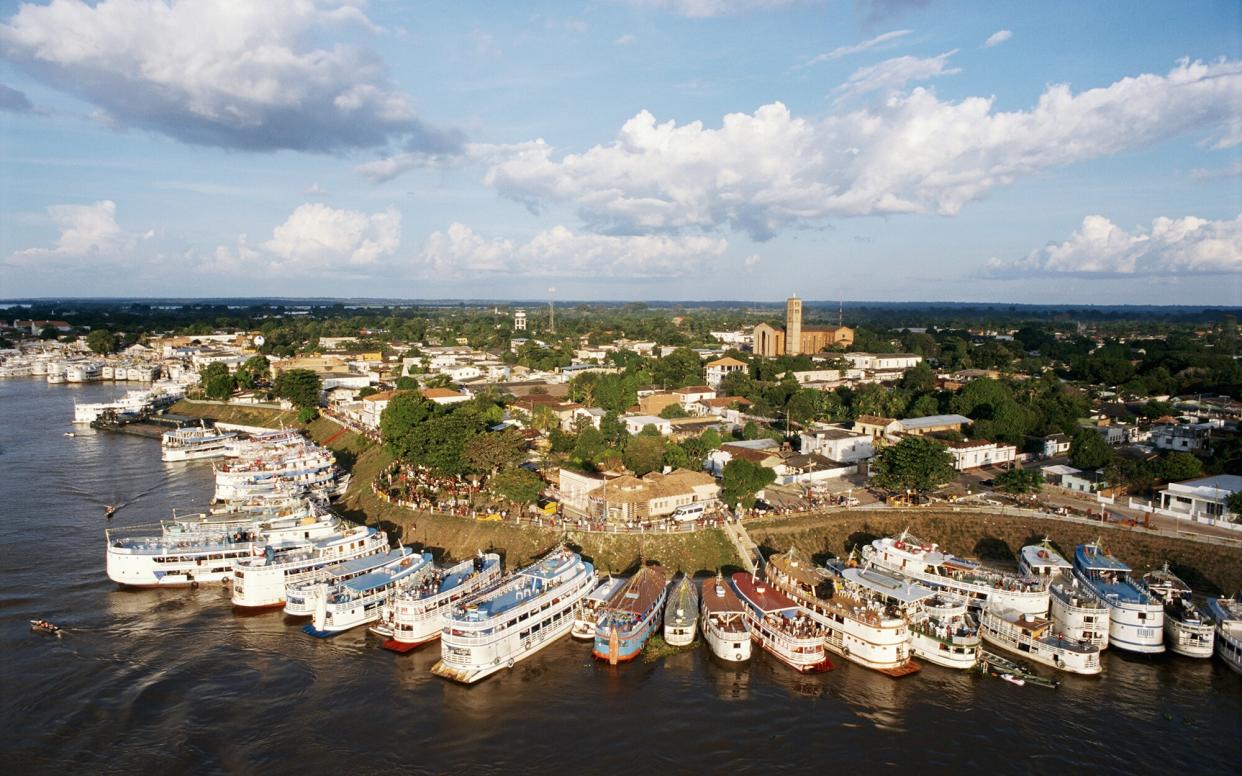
(865, 145)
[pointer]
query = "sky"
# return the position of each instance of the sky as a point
(891, 150)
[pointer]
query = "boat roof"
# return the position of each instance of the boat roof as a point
(797, 566)
(887, 585)
(762, 595)
(1091, 556)
(354, 565)
(605, 590)
(1226, 609)
(385, 574)
(1030, 553)
(458, 573)
(549, 565)
(641, 591)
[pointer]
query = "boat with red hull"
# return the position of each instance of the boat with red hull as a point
(782, 627)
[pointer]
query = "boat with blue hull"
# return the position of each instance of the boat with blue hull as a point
(361, 599)
(509, 622)
(1135, 618)
(622, 628)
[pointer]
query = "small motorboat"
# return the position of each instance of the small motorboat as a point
(109, 511)
(1013, 679)
(43, 626)
(69, 434)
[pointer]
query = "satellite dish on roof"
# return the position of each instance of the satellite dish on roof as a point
(259, 339)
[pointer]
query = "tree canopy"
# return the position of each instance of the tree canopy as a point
(300, 386)
(915, 463)
(742, 479)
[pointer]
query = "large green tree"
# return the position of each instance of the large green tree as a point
(1180, 466)
(1018, 481)
(915, 463)
(300, 386)
(1088, 450)
(644, 453)
(742, 479)
(518, 485)
(101, 341)
(491, 452)
(216, 381)
(404, 413)
(253, 371)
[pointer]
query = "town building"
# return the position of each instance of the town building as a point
(519, 320)
(631, 499)
(974, 453)
(1201, 498)
(721, 368)
(838, 444)
(794, 339)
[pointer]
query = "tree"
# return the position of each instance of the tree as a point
(406, 384)
(101, 341)
(915, 463)
(1177, 467)
(404, 413)
(253, 371)
(521, 486)
(491, 452)
(216, 381)
(674, 411)
(1018, 481)
(590, 445)
(1088, 450)
(750, 430)
(644, 453)
(1233, 502)
(680, 368)
(307, 414)
(742, 479)
(299, 386)
(544, 418)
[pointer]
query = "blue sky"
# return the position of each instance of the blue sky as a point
(623, 149)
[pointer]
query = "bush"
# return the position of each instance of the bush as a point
(307, 414)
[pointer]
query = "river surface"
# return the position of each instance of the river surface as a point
(173, 681)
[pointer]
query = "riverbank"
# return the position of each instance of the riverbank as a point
(996, 538)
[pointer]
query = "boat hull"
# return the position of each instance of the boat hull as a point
(1188, 640)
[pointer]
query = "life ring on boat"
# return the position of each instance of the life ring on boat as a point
(845, 651)
(1043, 553)
(900, 545)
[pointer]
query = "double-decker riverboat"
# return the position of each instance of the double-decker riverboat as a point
(359, 600)
(260, 581)
(1135, 618)
(415, 615)
(1033, 637)
(302, 596)
(1227, 615)
(192, 551)
(856, 625)
(1078, 616)
(681, 613)
(725, 624)
(194, 443)
(1042, 561)
(1187, 628)
(625, 623)
(782, 627)
(587, 612)
(509, 622)
(927, 564)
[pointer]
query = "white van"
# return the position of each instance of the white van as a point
(689, 512)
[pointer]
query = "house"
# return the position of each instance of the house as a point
(1201, 498)
(883, 362)
(973, 453)
(444, 395)
(630, 499)
(655, 403)
(1053, 475)
(838, 444)
(1054, 445)
(810, 468)
(765, 452)
(722, 367)
(1183, 436)
(693, 393)
(574, 489)
(932, 424)
(728, 407)
(875, 426)
(373, 406)
(815, 376)
(634, 424)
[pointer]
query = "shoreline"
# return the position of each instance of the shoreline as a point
(993, 537)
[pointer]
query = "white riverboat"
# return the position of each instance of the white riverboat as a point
(1227, 614)
(315, 474)
(301, 596)
(681, 613)
(1187, 628)
(195, 443)
(780, 626)
(587, 612)
(83, 372)
(192, 551)
(856, 626)
(1042, 561)
(1034, 638)
(722, 616)
(260, 581)
(132, 403)
(512, 621)
(945, 632)
(1078, 616)
(927, 564)
(415, 615)
(1135, 618)
(360, 600)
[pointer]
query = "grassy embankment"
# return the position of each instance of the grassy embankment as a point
(1209, 568)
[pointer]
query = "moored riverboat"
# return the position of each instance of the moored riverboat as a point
(587, 613)
(1227, 615)
(1187, 628)
(856, 625)
(260, 581)
(415, 615)
(927, 564)
(1034, 638)
(625, 623)
(780, 626)
(1135, 618)
(509, 622)
(359, 600)
(1042, 561)
(302, 596)
(723, 618)
(1077, 615)
(681, 613)
(194, 443)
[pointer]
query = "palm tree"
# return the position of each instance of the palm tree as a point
(544, 418)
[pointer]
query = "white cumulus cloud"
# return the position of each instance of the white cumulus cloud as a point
(997, 38)
(318, 239)
(86, 232)
(559, 252)
(912, 152)
(894, 74)
(247, 75)
(1100, 248)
